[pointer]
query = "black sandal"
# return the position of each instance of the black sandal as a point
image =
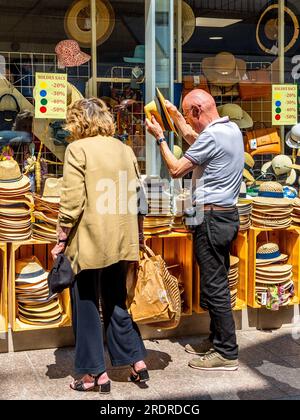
(103, 388)
(140, 376)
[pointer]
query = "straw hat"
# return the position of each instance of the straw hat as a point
(248, 168)
(30, 270)
(224, 69)
(271, 193)
(236, 114)
(52, 190)
(11, 177)
(188, 22)
(78, 22)
(158, 109)
(293, 137)
(269, 253)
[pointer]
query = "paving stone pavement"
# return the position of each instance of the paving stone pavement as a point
(269, 369)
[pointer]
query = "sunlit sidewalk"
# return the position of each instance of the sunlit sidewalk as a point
(269, 369)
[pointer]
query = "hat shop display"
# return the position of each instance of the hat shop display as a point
(16, 203)
(34, 305)
(224, 69)
(282, 168)
(236, 114)
(233, 278)
(159, 218)
(78, 22)
(270, 209)
(274, 278)
(46, 211)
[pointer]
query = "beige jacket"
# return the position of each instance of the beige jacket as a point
(98, 174)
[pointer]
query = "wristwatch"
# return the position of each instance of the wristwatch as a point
(160, 141)
(62, 241)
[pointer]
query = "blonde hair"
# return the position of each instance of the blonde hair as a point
(89, 118)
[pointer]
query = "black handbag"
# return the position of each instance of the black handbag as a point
(8, 117)
(61, 276)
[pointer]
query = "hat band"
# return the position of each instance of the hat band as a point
(268, 256)
(7, 181)
(249, 168)
(243, 195)
(31, 275)
(271, 194)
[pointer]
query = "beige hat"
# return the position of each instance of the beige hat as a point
(248, 168)
(224, 69)
(269, 253)
(30, 270)
(236, 114)
(52, 190)
(11, 177)
(283, 167)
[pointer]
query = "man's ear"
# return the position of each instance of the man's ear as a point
(195, 112)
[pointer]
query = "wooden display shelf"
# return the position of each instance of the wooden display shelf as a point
(3, 289)
(239, 249)
(42, 250)
(289, 243)
(177, 249)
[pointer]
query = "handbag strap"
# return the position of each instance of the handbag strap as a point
(13, 97)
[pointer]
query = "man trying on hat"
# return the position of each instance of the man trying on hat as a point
(216, 157)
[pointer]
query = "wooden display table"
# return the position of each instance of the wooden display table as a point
(289, 243)
(42, 250)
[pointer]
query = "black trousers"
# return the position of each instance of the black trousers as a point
(124, 342)
(212, 247)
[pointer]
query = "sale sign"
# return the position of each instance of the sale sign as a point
(285, 105)
(51, 95)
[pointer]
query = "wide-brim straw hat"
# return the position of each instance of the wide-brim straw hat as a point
(155, 109)
(30, 270)
(269, 252)
(79, 13)
(165, 113)
(188, 22)
(224, 69)
(288, 178)
(292, 138)
(40, 321)
(236, 114)
(271, 193)
(248, 168)
(11, 177)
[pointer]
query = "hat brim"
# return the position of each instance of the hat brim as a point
(290, 142)
(134, 60)
(165, 113)
(280, 202)
(11, 186)
(75, 61)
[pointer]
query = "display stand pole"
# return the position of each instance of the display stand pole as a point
(94, 48)
(281, 43)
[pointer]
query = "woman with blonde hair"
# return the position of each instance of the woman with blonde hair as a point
(98, 230)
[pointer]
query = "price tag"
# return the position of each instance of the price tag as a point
(253, 144)
(264, 297)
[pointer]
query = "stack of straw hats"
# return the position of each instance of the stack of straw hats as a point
(159, 218)
(35, 307)
(270, 209)
(274, 279)
(16, 203)
(244, 206)
(46, 211)
(296, 212)
(233, 279)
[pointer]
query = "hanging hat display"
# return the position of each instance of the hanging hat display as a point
(78, 22)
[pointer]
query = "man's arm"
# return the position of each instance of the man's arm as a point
(177, 168)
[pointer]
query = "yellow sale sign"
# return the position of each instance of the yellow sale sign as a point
(51, 95)
(285, 105)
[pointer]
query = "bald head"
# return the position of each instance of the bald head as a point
(199, 109)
